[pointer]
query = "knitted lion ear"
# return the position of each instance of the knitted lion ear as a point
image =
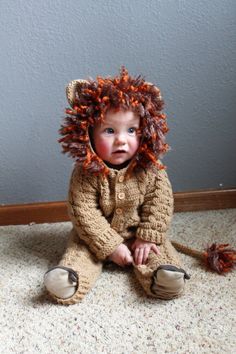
(71, 88)
(154, 89)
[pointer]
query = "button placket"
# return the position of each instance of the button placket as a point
(121, 179)
(119, 211)
(121, 195)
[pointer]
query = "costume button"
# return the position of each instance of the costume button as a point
(121, 179)
(121, 195)
(119, 211)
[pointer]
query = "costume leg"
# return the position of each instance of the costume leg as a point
(162, 276)
(77, 272)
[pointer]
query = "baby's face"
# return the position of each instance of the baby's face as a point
(116, 140)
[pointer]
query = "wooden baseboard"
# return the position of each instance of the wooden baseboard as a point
(205, 200)
(57, 211)
(37, 213)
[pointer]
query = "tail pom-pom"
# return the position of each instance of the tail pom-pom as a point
(220, 258)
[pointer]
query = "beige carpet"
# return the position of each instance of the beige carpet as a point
(116, 316)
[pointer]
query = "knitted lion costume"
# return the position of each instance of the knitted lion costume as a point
(90, 100)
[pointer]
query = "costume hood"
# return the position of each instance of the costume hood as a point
(90, 100)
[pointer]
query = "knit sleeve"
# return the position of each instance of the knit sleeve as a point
(87, 217)
(157, 209)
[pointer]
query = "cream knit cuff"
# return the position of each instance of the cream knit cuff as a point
(150, 235)
(106, 243)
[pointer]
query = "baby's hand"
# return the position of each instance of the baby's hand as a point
(141, 250)
(121, 256)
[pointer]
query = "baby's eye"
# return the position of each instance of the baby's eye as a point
(109, 131)
(132, 130)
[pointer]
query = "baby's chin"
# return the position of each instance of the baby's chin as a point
(117, 166)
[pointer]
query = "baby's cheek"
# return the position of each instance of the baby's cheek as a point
(102, 148)
(134, 146)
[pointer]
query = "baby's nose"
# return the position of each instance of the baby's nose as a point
(120, 139)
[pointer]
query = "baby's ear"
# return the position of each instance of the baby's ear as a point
(71, 88)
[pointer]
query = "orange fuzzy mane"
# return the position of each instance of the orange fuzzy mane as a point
(92, 100)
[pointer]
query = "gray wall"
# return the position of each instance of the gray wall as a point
(186, 47)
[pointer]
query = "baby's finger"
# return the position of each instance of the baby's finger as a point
(156, 250)
(138, 256)
(145, 254)
(132, 246)
(128, 260)
(135, 255)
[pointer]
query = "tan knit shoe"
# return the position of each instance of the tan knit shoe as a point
(168, 282)
(61, 282)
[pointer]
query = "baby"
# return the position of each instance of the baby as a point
(120, 198)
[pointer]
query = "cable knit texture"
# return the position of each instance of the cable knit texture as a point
(82, 261)
(107, 211)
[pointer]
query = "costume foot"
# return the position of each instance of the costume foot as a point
(61, 282)
(168, 282)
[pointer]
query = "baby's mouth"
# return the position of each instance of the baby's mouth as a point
(119, 152)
